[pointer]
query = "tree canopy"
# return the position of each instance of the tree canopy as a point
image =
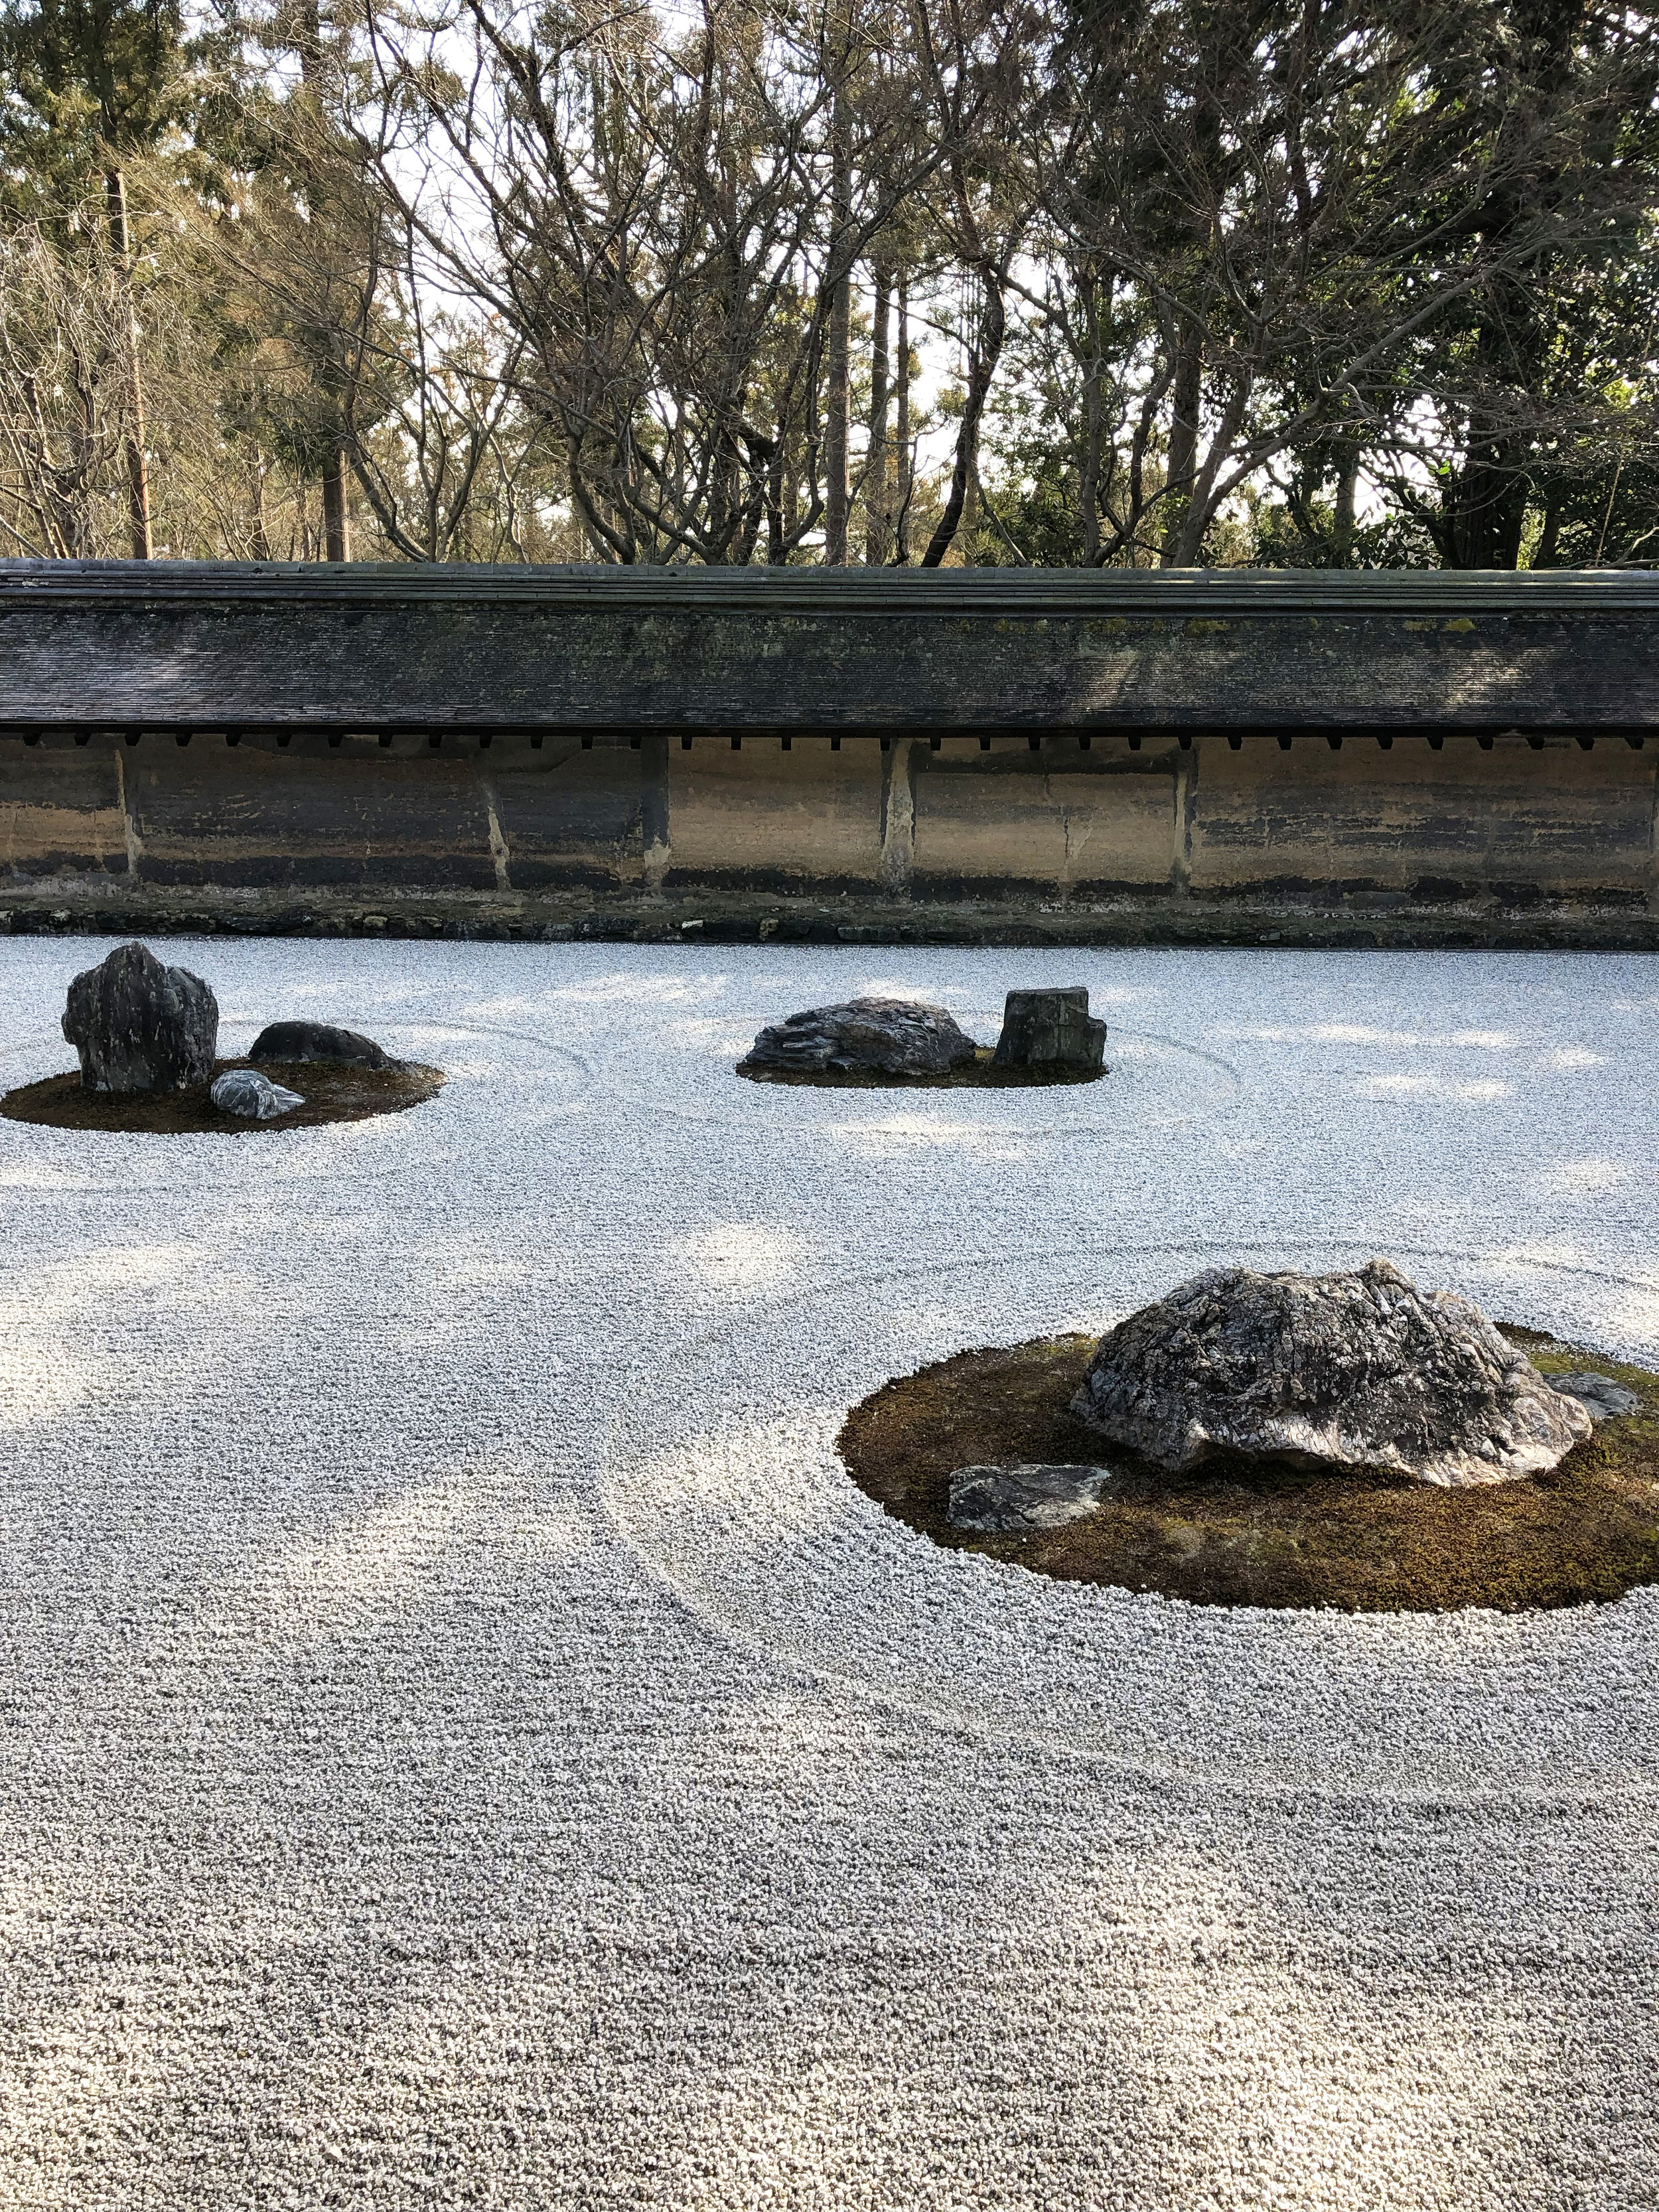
(1115, 283)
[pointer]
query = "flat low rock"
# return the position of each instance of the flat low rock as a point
(1051, 1030)
(140, 1026)
(298, 1040)
(1341, 1372)
(1603, 1397)
(1005, 1501)
(255, 1098)
(873, 1037)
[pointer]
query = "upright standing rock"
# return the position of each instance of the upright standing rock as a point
(140, 1026)
(1051, 1030)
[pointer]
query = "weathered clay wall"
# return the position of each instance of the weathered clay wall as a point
(1073, 754)
(959, 840)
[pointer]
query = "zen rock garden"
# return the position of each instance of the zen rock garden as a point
(1282, 1439)
(1047, 1037)
(661, 1596)
(147, 1038)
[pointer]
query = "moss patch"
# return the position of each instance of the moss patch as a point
(331, 1092)
(982, 1075)
(1239, 1534)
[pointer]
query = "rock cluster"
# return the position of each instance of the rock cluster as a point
(139, 1026)
(1337, 1371)
(873, 1037)
(1006, 1501)
(1052, 1030)
(294, 1041)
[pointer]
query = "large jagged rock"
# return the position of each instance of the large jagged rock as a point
(140, 1026)
(1340, 1372)
(873, 1037)
(1052, 1030)
(296, 1040)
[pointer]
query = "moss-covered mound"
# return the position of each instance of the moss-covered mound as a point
(332, 1092)
(1243, 1534)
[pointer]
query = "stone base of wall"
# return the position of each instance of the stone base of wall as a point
(667, 918)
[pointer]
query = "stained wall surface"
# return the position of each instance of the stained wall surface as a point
(625, 749)
(1204, 827)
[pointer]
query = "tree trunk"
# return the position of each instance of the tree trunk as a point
(1183, 443)
(877, 474)
(261, 531)
(1486, 506)
(1607, 516)
(1347, 482)
(144, 548)
(776, 552)
(1201, 504)
(1087, 475)
(1549, 537)
(901, 427)
(840, 346)
(1088, 487)
(337, 522)
(981, 368)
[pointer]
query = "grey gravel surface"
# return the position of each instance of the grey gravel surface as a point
(467, 1743)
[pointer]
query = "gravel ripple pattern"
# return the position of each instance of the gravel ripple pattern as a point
(467, 1742)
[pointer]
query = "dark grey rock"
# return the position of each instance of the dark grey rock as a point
(140, 1026)
(1604, 1399)
(1053, 1029)
(1004, 1501)
(290, 1041)
(244, 1090)
(1348, 1371)
(876, 1036)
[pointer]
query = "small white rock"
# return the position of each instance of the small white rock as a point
(244, 1090)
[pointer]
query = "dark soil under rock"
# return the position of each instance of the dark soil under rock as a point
(982, 1075)
(332, 1092)
(1243, 1534)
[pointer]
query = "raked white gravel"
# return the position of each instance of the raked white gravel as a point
(467, 1743)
